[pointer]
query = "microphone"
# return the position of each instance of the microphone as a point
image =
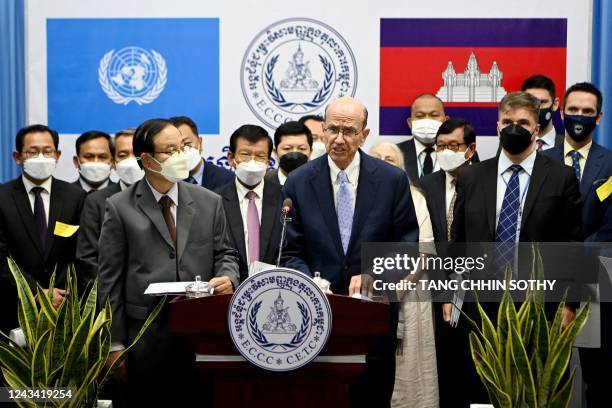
(284, 219)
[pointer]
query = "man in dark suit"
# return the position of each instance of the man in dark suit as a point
(341, 200)
(426, 116)
(93, 210)
(93, 160)
(251, 203)
(201, 172)
(160, 230)
(293, 147)
(592, 165)
(31, 209)
(543, 88)
(517, 196)
(455, 147)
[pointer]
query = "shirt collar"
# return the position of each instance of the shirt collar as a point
(584, 150)
(420, 147)
(449, 180)
(200, 173)
(242, 190)
(172, 193)
(505, 163)
(88, 188)
(122, 185)
(352, 170)
(281, 177)
(549, 138)
(46, 185)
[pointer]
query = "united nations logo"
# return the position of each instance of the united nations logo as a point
(279, 319)
(295, 67)
(132, 74)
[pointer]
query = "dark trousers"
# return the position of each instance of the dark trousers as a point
(597, 375)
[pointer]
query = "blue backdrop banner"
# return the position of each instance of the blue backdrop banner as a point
(602, 66)
(110, 74)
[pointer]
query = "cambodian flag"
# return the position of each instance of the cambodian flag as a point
(469, 63)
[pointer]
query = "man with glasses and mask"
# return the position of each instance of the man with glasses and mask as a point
(341, 200)
(251, 202)
(31, 208)
(94, 160)
(201, 172)
(518, 196)
(160, 230)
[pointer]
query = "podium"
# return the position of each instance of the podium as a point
(237, 383)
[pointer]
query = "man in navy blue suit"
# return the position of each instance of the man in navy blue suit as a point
(341, 200)
(592, 164)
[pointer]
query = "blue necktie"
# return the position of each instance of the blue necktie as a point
(191, 180)
(576, 163)
(344, 209)
(508, 221)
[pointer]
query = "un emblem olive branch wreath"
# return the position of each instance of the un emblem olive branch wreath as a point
(111, 92)
(261, 339)
(320, 97)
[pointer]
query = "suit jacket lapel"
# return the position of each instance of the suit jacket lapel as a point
(269, 217)
(234, 217)
(538, 176)
(184, 219)
(490, 193)
(56, 204)
(22, 203)
(412, 164)
(151, 208)
(367, 188)
(439, 197)
(591, 169)
(323, 191)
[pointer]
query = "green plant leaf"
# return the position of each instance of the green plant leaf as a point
(39, 364)
(46, 305)
(75, 352)
(14, 383)
(59, 335)
(563, 397)
(11, 361)
(521, 361)
(27, 304)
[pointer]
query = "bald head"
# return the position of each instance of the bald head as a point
(427, 106)
(345, 127)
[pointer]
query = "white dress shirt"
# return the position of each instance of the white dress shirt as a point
(281, 177)
(549, 139)
(352, 173)
(45, 194)
(199, 174)
(88, 188)
(243, 201)
(503, 177)
(122, 185)
(172, 193)
(420, 156)
(584, 153)
(450, 190)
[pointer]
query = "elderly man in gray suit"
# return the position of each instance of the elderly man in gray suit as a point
(160, 230)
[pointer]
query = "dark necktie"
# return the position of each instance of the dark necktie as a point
(428, 162)
(40, 216)
(191, 180)
(540, 144)
(166, 204)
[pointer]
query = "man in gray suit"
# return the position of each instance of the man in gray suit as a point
(160, 230)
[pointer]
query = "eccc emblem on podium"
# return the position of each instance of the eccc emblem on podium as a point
(132, 74)
(295, 67)
(279, 319)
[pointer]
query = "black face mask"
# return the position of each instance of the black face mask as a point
(579, 127)
(545, 117)
(291, 161)
(514, 138)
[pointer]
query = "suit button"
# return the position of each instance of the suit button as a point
(172, 255)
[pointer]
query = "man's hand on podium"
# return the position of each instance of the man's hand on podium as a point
(222, 285)
(121, 372)
(361, 284)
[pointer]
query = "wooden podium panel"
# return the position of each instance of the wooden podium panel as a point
(237, 383)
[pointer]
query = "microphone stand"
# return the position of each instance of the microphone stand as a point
(284, 219)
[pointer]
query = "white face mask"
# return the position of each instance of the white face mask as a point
(251, 173)
(193, 157)
(174, 168)
(318, 150)
(129, 171)
(424, 130)
(449, 160)
(95, 172)
(39, 167)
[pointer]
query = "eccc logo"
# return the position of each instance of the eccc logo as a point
(295, 67)
(279, 319)
(132, 74)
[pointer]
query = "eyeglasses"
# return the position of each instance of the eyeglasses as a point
(336, 130)
(48, 153)
(171, 151)
(246, 157)
(451, 146)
